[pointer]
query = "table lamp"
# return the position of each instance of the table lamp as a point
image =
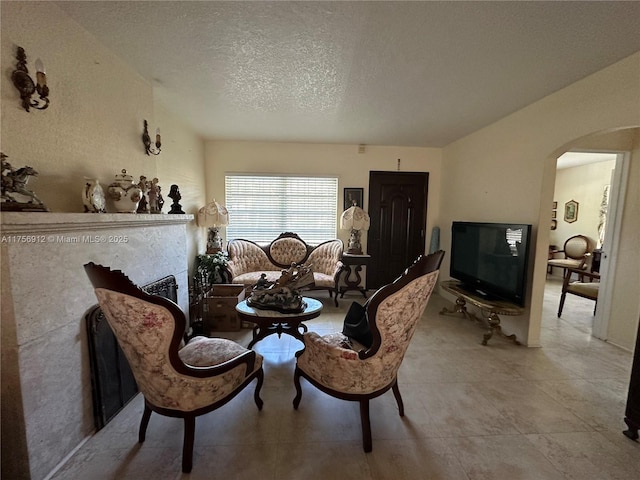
(213, 216)
(355, 219)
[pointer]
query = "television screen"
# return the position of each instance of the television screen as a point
(491, 259)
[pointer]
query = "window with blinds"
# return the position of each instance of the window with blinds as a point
(261, 207)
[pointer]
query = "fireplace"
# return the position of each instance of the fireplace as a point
(112, 382)
(47, 401)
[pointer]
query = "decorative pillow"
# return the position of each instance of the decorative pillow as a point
(356, 325)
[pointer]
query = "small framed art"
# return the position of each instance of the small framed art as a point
(353, 196)
(571, 211)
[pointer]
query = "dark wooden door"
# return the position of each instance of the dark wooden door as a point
(632, 413)
(398, 211)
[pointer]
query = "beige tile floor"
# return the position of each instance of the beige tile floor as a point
(501, 412)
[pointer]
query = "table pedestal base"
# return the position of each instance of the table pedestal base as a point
(268, 322)
(260, 332)
(352, 284)
(357, 262)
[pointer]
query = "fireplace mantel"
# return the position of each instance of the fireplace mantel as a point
(46, 222)
(46, 386)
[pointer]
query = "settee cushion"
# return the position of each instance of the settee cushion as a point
(321, 280)
(206, 352)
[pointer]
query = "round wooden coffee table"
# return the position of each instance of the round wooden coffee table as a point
(269, 322)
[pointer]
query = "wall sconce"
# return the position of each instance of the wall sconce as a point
(146, 139)
(25, 85)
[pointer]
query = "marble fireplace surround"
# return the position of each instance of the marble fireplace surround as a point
(46, 385)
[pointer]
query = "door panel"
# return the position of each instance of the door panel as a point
(398, 211)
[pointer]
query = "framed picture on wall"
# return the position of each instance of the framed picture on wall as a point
(353, 196)
(571, 211)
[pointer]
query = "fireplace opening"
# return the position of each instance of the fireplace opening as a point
(112, 382)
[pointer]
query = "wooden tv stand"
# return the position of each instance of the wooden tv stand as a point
(490, 309)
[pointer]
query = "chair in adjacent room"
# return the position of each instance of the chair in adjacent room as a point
(347, 370)
(580, 288)
(575, 253)
(177, 380)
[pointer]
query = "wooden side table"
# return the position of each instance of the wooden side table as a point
(356, 261)
(490, 309)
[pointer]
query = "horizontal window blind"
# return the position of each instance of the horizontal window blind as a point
(261, 207)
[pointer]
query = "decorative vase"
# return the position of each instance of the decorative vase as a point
(125, 193)
(93, 196)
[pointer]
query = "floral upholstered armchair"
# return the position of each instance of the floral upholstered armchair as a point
(176, 380)
(349, 371)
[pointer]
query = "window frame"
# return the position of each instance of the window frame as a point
(290, 194)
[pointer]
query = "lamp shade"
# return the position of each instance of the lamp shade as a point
(354, 218)
(213, 215)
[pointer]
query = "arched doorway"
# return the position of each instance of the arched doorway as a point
(618, 305)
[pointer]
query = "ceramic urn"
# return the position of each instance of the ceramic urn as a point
(125, 193)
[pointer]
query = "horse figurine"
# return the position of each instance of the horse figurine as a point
(15, 182)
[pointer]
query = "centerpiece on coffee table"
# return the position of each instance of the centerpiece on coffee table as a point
(283, 295)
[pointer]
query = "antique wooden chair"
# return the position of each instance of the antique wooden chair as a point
(580, 288)
(575, 253)
(176, 380)
(358, 373)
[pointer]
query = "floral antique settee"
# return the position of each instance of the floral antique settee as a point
(248, 260)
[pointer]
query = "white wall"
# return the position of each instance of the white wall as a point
(92, 128)
(506, 171)
(344, 161)
(94, 123)
(182, 162)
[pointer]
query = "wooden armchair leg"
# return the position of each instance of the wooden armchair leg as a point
(366, 425)
(296, 382)
(187, 446)
(144, 423)
(256, 394)
(562, 297)
(396, 393)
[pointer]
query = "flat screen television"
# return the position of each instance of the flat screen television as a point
(491, 259)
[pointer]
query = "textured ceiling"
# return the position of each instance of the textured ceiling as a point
(377, 73)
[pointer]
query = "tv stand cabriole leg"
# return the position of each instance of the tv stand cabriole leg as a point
(489, 310)
(494, 325)
(461, 307)
(493, 321)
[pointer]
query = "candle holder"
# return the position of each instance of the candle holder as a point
(25, 85)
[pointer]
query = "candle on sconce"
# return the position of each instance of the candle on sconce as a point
(158, 144)
(41, 74)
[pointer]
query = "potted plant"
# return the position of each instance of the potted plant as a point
(212, 268)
